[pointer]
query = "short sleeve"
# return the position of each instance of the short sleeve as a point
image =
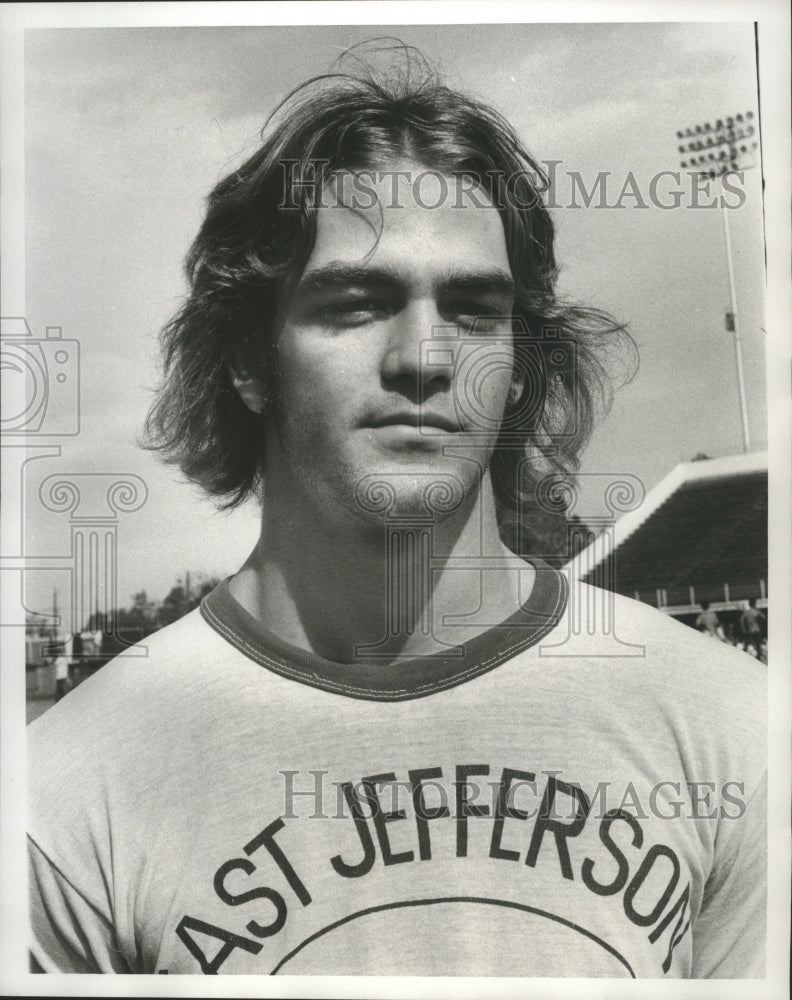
(70, 934)
(729, 937)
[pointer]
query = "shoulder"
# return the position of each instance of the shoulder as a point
(158, 679)
(640, 619)
(668, 675)
(681, 652)
(127, 736)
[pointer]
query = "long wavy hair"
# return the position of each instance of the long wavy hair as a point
(259, 232)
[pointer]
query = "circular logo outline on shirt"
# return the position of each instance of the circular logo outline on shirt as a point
(453, 899)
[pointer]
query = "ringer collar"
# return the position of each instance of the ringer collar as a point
(401, 680)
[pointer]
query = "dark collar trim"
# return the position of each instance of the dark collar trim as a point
(399, 681)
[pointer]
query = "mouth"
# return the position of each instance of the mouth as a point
(416, 419)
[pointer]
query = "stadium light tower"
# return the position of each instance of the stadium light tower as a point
(712, 150)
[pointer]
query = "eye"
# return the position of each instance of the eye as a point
(353, 312)
(478, 317)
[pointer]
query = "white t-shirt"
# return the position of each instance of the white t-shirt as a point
(544, 801)
(61, 668)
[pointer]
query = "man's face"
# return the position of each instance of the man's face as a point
(368, 391)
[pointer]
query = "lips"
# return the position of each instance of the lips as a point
(414, 418)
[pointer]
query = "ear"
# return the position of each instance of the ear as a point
(252, 389)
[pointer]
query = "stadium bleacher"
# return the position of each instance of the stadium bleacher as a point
(701, 534)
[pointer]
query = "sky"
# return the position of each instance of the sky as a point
(126, 130)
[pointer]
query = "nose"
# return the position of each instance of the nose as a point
(413, 361)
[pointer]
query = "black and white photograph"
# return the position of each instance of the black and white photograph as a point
(396, 499)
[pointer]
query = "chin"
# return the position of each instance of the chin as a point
(415, 494)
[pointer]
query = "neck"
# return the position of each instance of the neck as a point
(386, 593)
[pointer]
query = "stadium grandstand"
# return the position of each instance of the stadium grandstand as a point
(700, 535)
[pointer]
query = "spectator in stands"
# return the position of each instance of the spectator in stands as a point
(751, 627)
(709, 623)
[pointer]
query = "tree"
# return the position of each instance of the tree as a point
(143, 611)
(178, 602)
(145, 616)
(174, 606)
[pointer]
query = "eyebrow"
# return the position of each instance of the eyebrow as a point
(338, 276)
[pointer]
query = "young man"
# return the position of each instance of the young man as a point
(374, 749)
(709, 623)
(751, 627)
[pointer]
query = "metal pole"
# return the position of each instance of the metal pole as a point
(723, 140)
(736, 328)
